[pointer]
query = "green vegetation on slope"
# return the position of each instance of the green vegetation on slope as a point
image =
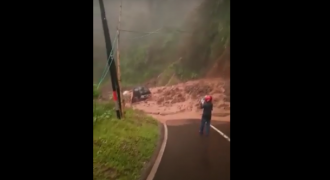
(96, 92)
(185, 55)
(121, 147)
(147, 60)
(210, 27)
(203, 46)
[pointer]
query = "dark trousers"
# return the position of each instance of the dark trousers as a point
(205, 122)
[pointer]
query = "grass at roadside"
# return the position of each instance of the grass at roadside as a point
(121, 147)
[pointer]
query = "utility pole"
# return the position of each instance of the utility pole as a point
(112, 66)
(122, 103)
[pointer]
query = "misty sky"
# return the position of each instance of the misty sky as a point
(140, 15)
(137, 15)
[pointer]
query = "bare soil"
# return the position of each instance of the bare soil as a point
(181, 101)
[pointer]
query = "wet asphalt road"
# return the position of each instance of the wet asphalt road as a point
(190, 156)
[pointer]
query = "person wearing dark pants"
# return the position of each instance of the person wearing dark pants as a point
(205, 123)
(207, 107)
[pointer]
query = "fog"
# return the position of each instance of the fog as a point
(137, 15)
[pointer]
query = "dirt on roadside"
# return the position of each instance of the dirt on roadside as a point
(181, 101)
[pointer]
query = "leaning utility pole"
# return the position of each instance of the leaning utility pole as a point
(112, 65)
(122, 103)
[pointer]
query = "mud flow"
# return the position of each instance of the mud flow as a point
(181, 101)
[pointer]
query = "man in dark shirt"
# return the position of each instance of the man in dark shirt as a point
(207, 107)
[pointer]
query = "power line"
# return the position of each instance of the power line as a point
(132, 31)
(106, 68)
(150, 33)
(167, 31)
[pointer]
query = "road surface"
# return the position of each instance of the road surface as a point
(190, 156)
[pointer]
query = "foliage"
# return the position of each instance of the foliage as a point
(96, 92)
(211, 27)
(121, 147)
(188, 52)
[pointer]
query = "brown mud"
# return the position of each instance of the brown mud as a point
(181, 101)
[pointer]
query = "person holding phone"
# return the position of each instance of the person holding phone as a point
(207, 106)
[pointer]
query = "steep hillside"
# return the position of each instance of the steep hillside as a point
(199, 48)
(206, 51)
(189, 39)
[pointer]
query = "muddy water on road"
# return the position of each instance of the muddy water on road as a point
(181, 101)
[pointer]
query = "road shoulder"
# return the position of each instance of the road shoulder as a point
(149, 165)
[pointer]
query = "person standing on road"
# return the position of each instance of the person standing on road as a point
(207, 106)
